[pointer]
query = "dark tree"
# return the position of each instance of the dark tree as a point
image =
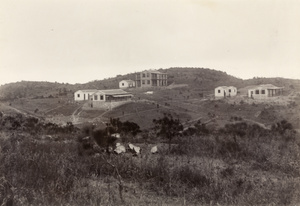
(168, 127)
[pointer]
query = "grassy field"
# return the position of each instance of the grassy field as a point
(249, 154)
(241, 164)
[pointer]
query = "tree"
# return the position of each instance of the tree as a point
(168, 127)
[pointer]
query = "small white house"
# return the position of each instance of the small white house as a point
(232, 91)
(82, 95)
(111, 95)
(126, 84)
(264, 91)
(225, 91)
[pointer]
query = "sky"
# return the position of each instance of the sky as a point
(77, 41)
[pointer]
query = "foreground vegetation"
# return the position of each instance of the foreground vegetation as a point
(240, 164)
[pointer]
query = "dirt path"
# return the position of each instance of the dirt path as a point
(100, 118)
(258, 123)
(75, 115)
(52, 109)
(23, 112)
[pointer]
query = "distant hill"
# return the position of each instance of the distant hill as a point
(206, 79)
(33, 89)
(196, 78)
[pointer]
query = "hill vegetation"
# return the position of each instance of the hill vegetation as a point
(197, 79)
(233, 151)
(239, 164)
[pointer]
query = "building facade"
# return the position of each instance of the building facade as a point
(225, 91)
(126, 84)
(264, 91)
(82, 95)
(151, 78)
(102, 95)
(112, 95)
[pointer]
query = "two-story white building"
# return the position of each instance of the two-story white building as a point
(151, 78)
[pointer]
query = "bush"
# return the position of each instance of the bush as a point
(168, 127)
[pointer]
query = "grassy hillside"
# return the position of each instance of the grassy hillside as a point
(196, 79)
(246, 152)
(240, 164)
(206, 79)
(32, 89)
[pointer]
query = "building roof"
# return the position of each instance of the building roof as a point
(113, 92)
(266, 86)
(154, 71)
(127, 80)
(87, 90)
(225, 87)
(122, 95)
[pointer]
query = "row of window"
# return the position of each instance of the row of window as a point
(154, 82)
(219, 91)
(155, 76)
(143, 81)
(95, 97)
(262, 91)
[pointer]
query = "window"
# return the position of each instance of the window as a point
(219, 91)
(101, 97)
(147, 74)
(229, 90)
(263, 91)
(257, 91)
(148, 81)
(122, 84)
(78, 95)
(95, 97)
(144, 75)
(143, 81)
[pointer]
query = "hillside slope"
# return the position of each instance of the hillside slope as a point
(197, 79)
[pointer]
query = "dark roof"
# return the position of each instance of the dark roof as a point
(266, 86)
(88, 90)
(112, 92)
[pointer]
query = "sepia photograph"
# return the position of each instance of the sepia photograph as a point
(147, 102)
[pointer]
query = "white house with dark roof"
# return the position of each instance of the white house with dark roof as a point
(82, 95)
(102, 95)
(111, 95)
(225, 91)
(264, 91)
(126, 84)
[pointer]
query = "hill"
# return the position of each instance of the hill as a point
(196, 79)
(34, 89)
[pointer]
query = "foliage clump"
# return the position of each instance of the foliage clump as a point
(168, 127)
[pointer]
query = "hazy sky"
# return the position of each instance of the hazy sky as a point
(77, 41)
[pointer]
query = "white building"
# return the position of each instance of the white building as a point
(111, 95)
(225, 91)
(264, 91)
(151, 78)
(82, 95)
(102, 95)
(126, 84)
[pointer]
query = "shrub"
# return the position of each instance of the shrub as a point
(168, 127)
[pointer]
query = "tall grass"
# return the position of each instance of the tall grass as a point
(230, 167)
